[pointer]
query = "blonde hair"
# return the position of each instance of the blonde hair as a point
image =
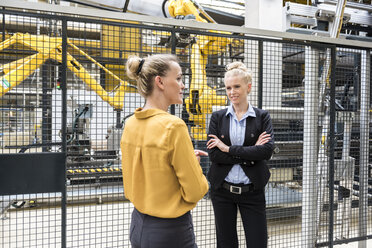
(237, 68)
(144, 70)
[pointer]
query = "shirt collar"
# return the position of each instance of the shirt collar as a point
(146, 113)
(250, 112)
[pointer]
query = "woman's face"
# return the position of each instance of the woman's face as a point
(237, 89)
(173, 85)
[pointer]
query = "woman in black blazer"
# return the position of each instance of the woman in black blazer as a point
(240, 141)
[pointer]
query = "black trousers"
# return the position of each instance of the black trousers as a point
(252, 207)
(151, 232)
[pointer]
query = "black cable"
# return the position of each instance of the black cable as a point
(126, 117)
(126, 6)
(163, 8)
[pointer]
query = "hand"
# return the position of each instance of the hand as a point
(263, 139)
(216, 142)
(199, 153)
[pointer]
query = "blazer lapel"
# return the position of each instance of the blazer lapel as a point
(248, 126)
(225, 130)
(250, 130)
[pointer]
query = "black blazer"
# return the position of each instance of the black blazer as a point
(252, 159)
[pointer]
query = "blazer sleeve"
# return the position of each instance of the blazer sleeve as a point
(215, 154)
(259, 152)
(193, 184)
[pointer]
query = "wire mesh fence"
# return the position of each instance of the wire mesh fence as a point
(65, 94)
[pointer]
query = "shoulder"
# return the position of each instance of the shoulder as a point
(130, 121)
(176, 128)
(260, 112)
(172, 121)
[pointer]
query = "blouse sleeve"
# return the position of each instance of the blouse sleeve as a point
(193, 183)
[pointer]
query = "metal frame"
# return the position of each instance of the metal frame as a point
(364, 146)
(310, 154)
(93, 13)
(308, 15)
(255, 36)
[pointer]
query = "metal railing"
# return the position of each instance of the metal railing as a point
(65, 94)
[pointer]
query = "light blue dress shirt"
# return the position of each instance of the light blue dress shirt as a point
(237, 133)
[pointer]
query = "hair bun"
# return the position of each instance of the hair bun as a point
(134, 66)
(236, 65)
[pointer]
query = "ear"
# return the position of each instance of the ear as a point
(249, 87)
(159, 82)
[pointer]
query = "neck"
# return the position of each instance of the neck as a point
(153, 102)
(241, 108)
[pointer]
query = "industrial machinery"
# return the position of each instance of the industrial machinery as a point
(82, 160)
(201, 96)
(50, 48)
(345, 166)
(335, 19)
(320, 17)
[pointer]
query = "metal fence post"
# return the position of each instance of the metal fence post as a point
(332, 117)
(45, 102)
(364, 146)
(173, 51)
(310, 151)
(260, 74)
(3, 26)
(64, 126)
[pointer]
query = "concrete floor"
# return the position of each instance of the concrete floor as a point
(107, 225)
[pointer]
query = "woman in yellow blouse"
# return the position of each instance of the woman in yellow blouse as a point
(161, 171)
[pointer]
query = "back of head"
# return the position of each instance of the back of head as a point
(144, 70)
(237, 68)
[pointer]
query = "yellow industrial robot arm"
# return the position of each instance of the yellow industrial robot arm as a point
(116, 101)
(177, 8)
(17, 71)
(202, 97)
